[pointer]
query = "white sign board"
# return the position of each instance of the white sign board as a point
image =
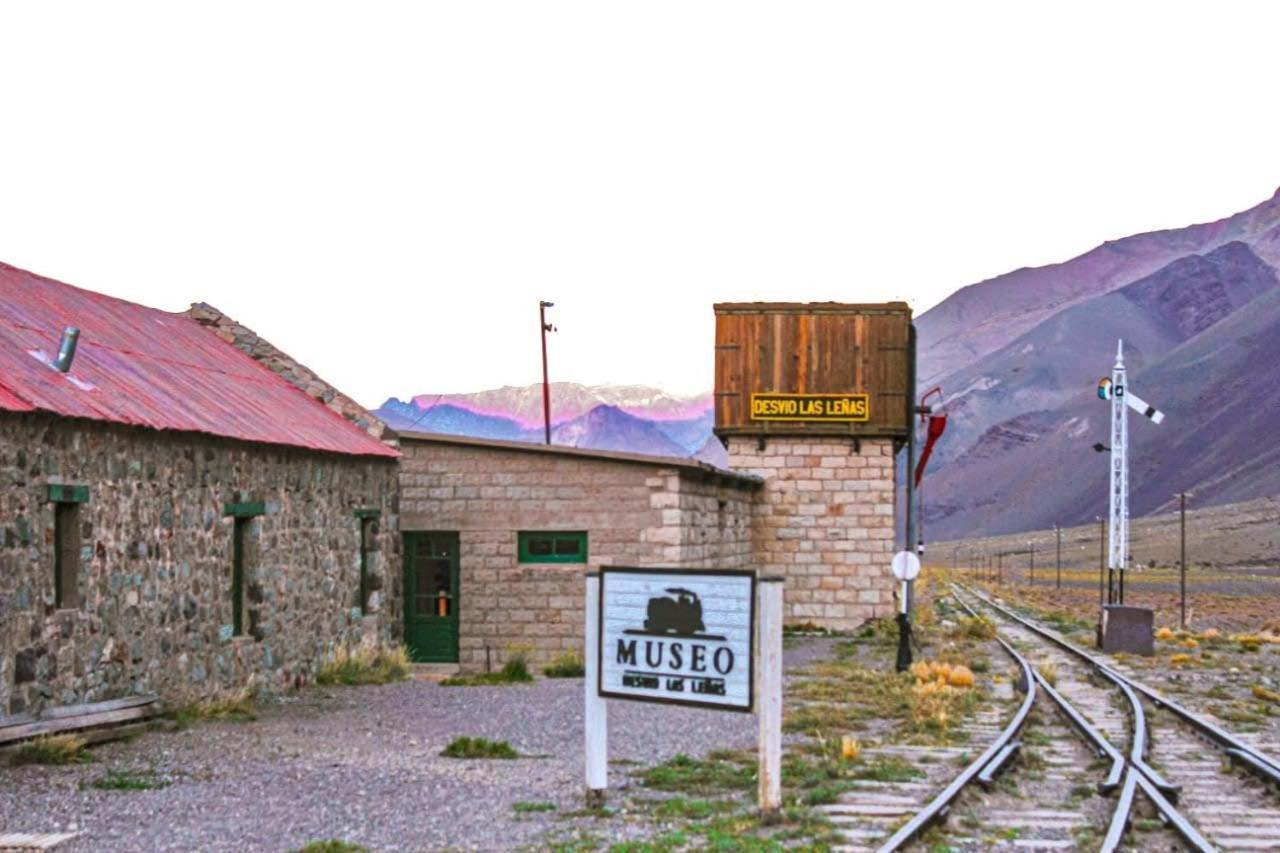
(678, 636)
(905, 566)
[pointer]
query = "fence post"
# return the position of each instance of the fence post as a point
(595, 711)
(769, 684)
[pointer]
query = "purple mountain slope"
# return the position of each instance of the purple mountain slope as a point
(981, 318)
(1221, 392)
(1071, 349)
(610, 428)
(601, 428)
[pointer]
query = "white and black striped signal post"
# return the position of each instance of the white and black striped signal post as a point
(1122, 399)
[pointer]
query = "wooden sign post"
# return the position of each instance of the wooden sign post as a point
(596, 712)
(709, 638)
(769, 638)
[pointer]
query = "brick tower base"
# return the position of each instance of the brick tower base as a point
(825, 523)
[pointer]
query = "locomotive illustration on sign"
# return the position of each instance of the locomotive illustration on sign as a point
(681, 614)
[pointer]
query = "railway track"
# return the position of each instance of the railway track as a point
(1184, 758)
(1102, 715)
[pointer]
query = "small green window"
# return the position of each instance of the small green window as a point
(559, 546)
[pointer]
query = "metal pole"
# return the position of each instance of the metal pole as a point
(546, 386)
(909, 534)
(1032, 548)
(1000, 569)
(912, 521)
(1058, 533)
(1182, 561)
(1102, 561)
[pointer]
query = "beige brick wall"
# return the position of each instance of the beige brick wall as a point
(634, 514)
(825, 522)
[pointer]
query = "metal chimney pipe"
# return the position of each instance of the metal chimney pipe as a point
(67, 349)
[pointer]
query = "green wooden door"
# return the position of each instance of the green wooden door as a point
(431, 596)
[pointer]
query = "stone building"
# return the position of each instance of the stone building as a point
(497, 536)
(179, 514)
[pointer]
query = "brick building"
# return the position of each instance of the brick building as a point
(497, 536)
(179, 513)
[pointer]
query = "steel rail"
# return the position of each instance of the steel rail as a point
(1140, 774)
(1120, 772)
(941, 804)
(1261, 764)
(1101, 746)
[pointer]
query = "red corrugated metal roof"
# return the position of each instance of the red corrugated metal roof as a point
(141, 366)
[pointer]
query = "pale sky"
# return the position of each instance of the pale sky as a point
(386, 190)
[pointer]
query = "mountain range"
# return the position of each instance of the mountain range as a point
(1018, 358)
(630, 418)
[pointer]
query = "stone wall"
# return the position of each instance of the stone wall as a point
(635, 514)
(156, 554)
(300, 376)
(826, 523)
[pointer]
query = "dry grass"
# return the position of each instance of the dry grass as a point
(52, 750)
(365, 666)
(565, 665)
(515, 670)
(976, 627)
(239, 707)
(1049, 672)
(1260, 692)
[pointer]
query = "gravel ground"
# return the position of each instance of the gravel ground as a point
(363, 764)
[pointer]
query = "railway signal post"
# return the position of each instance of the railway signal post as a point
(1123, 628)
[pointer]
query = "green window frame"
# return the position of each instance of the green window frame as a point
(551, 546)
(242, 514)
(66, 499)
(238, 534)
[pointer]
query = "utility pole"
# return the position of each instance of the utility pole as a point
(1182, 561)
(546, 386)
(1000, 568)
(1031, 549)
(1057, 531)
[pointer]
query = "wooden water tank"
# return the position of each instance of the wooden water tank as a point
(815, 368)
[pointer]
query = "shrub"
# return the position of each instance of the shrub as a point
(478, 747)
(52, 749)
(365, 666)
(1165, 635)
(1180, 659)
(977, 627)
(124, 780)
(1260, 692)
(566, 665)
(331, 845)
(955, 675)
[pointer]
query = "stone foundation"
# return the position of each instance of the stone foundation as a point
(825, 522)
